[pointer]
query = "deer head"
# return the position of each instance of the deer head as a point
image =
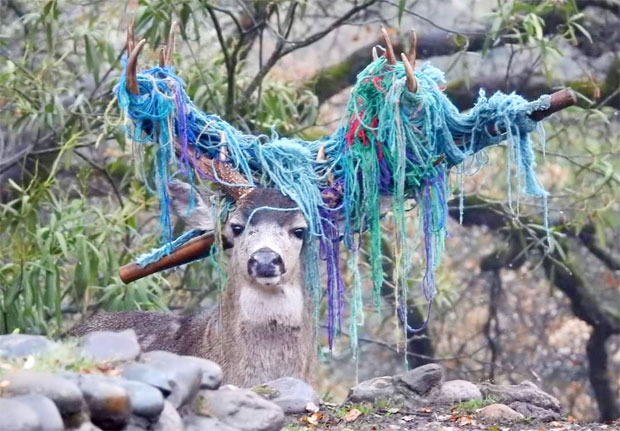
(263, 236)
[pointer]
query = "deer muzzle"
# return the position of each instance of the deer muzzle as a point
(265, 264)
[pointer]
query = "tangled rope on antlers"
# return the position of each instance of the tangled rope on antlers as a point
(398, 140)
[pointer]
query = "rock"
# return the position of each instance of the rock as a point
(169, 419)
(184, 375)
(289, 393)
(372, 390)
(499, 413)
(146, 401)
(201, 423)
(534, 412)
(64, 393)
(456, 391)
(109, 403)
(149, 375)
(526, 392)
(45, 411)
(240, 408)
(17, 416)
(212, 374)
(18, 345)
(111, 346)
(421, 380)
(86, 426)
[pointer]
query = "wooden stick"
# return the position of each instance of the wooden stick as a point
(194, 249)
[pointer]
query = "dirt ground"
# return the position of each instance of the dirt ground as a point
(366, 418)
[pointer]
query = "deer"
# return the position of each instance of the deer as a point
(263, 329)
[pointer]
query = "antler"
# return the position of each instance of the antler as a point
(408, 60)
(223, 170)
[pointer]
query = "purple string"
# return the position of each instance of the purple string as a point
(330, 252)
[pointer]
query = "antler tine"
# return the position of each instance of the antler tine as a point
(413, 47)
(375, 56)
(162, 56)
(170, 43)
(412, 84)
(320, 155)
(389, 49)
(132, 64)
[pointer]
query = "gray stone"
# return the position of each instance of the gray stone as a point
(212, 373)
(201, 423)
(146, 401)
(169, 419)
(149, 375)
(421, 380)
(19, 345)
(240, 408)
(499, 413)
(111, 346)
(184, 375)
(526, 392)
(17, 416)
(64, 393)
(45, 410)
(372, 390)
(108, 403)
(289, 393)
(86, 426)
(534, 412)
(456, 391)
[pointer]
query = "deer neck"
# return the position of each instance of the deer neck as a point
(282, 305)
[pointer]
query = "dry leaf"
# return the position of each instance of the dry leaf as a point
(29, 363)
(407, 418)
(466, 420)
(352, 415)
(393, 410)
(556, 424)
(311, 407)
(427, 409)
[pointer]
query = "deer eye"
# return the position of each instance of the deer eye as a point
(237, 229)
(299, 232)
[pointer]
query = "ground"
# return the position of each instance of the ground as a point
(364, 417)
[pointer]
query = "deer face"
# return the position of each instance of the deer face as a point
(264, 235)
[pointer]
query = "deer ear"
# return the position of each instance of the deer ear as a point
(198, 216)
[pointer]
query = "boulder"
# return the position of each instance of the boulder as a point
(372, 390)
(146, 401)
(17, 416)
(240, 408)
(289, 393)
(109, 404)
(184, 375)
(169, 419)
(499, 413)
(64, 393)
(456, 391)
(111, 346)
(19, 345)
(149, 375)
(212, 374)
(526, 392)
(45, 411)
(201, 423)
(534, 412)
(421, 380)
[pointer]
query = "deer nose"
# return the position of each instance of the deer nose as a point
(265, 263)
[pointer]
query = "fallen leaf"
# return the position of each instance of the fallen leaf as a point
(466, 420)
(29, 363)
(556, 424)
(393, 410)
(352, 415)
(407, 418)
(311, 407)
(427, 409)
(314, 418)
